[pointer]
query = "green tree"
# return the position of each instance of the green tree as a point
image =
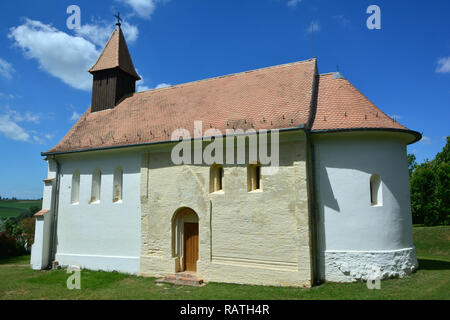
(444, 155)
(412, 164)
(430, 189)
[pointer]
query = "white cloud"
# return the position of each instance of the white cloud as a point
(342, 19)
(61, 55)
(12, 130)
(316, 27)
(6, 69)
(425, 140)
(130, 32)
(18, 117)
(140, 84)
(140, 88)
(75, 116)
(143, 8)
(9, 126)
(100, 32)
(28, 117)
(293, 3)
(7, 96)
(443, 65)
(163, 85)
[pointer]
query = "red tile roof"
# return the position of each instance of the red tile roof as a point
(115, 55)
(268, 98)
(341, 106)
(41, 213)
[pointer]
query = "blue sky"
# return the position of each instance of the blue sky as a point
(404, 68)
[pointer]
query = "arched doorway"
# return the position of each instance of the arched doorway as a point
(185, 242)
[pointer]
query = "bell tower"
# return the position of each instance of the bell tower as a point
(114, 73)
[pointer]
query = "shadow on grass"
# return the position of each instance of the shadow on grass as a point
(426, 264)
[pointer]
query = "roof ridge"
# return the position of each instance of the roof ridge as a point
(229, 75)
(118, 45)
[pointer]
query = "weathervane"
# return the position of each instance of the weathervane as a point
(119, 19)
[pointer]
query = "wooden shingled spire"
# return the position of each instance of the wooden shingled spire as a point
(114, 73)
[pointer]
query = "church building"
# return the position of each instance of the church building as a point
(336, 208)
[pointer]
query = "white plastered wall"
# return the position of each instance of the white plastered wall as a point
(355, 236)
(103, 235)
(41, 248)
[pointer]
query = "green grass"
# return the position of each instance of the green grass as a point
(12, 208)
(432, 242)
(431, 281)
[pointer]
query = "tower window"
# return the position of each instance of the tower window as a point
(216, 178)
(75, 192)
(375, 190)
(96, 186)
(117, 188)
(253, 177)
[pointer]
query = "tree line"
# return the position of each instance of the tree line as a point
(430, 188)
(17, 233)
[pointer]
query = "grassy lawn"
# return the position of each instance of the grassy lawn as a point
(431, 281)
(12, 208)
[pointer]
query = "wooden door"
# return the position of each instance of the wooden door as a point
(190, 246)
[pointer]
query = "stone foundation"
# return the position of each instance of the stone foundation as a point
(350, 266)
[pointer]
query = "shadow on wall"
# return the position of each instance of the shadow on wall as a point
(366, 155)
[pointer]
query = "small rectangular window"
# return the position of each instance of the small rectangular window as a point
(216, 178)
(75, 193)
(96, 186)
(117, 187)
(375, 190)
(254, 177)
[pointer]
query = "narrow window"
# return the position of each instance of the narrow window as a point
(375, 190)
(216, 178)
(117, 188)
(96, 185)
(253, 177)
(75, 196)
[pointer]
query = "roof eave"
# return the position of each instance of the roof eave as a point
(49, 153)
(417, 135)
(136, 76)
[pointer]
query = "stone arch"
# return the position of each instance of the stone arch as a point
(182, 218)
